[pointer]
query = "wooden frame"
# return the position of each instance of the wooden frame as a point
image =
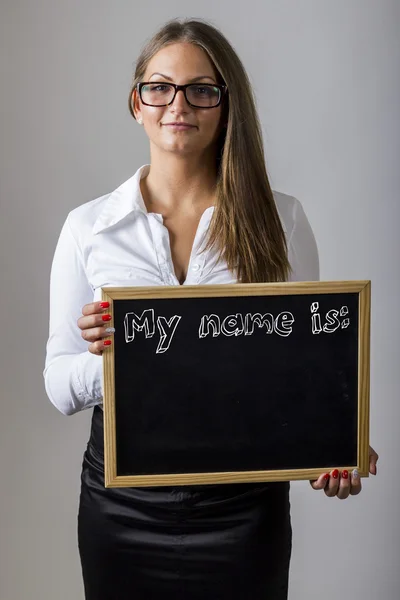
(362, 288)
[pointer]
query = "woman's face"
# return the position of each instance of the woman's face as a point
(180, 63)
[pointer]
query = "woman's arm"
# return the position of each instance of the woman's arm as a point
(303, 256)
(73, 376)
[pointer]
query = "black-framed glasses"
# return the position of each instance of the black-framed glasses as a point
(198, 95)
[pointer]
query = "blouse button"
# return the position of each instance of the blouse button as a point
(196, 267)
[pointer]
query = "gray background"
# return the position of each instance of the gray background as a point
(327, 80)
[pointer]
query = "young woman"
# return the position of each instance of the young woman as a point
(206, 182)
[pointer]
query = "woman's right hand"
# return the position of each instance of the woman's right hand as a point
(95, 326)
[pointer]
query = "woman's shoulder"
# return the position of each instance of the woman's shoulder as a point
(98, 214)
(86, 214)
(303, 249)
(288, 209)
(81, 219)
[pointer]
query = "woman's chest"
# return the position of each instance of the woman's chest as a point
(144, 252)
(182, 236)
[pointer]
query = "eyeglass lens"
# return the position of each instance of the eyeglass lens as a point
(200, 95)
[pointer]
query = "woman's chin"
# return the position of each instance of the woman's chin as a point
(180, 148)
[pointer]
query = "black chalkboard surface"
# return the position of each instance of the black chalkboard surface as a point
(255, 382)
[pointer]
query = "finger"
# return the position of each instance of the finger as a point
(93, 320)
(96, 333)
(95, 307)
(344, 486)
(333, 485)
(355, 488)
(320, 483)
(99, 346)
(373, 459)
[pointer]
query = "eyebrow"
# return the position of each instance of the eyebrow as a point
(190, 80)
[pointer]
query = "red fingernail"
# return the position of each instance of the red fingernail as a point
(335, 474)
(345, 474)
(104, 304)
(326, 477)
(107, 343)
(106, 317)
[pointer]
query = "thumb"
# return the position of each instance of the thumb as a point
(320, 483)
(373, 459)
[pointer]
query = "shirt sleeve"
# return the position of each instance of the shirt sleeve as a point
(72, 375)
(302, 248)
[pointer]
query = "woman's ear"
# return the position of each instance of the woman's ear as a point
(135, 106)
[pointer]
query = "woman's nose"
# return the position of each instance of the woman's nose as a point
(180, 100)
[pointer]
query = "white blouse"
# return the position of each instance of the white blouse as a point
(114, 241)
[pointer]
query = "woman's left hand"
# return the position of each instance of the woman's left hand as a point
(344, 484)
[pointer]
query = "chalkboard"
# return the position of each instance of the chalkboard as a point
(229, 383)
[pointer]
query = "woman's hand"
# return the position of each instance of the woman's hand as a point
(95, 326)
(344, 484)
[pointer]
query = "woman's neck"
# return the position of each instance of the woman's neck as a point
(176, 184)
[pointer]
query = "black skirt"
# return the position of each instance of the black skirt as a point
(203, 542)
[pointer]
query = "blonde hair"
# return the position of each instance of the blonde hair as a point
(245, 227)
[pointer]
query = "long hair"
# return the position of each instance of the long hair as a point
(245, 227)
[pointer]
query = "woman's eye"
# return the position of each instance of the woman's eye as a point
(202, 91)
(159, 88)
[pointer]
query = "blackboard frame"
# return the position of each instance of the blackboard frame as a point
(111, 294)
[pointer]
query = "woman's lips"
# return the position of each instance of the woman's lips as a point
(176, 127)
